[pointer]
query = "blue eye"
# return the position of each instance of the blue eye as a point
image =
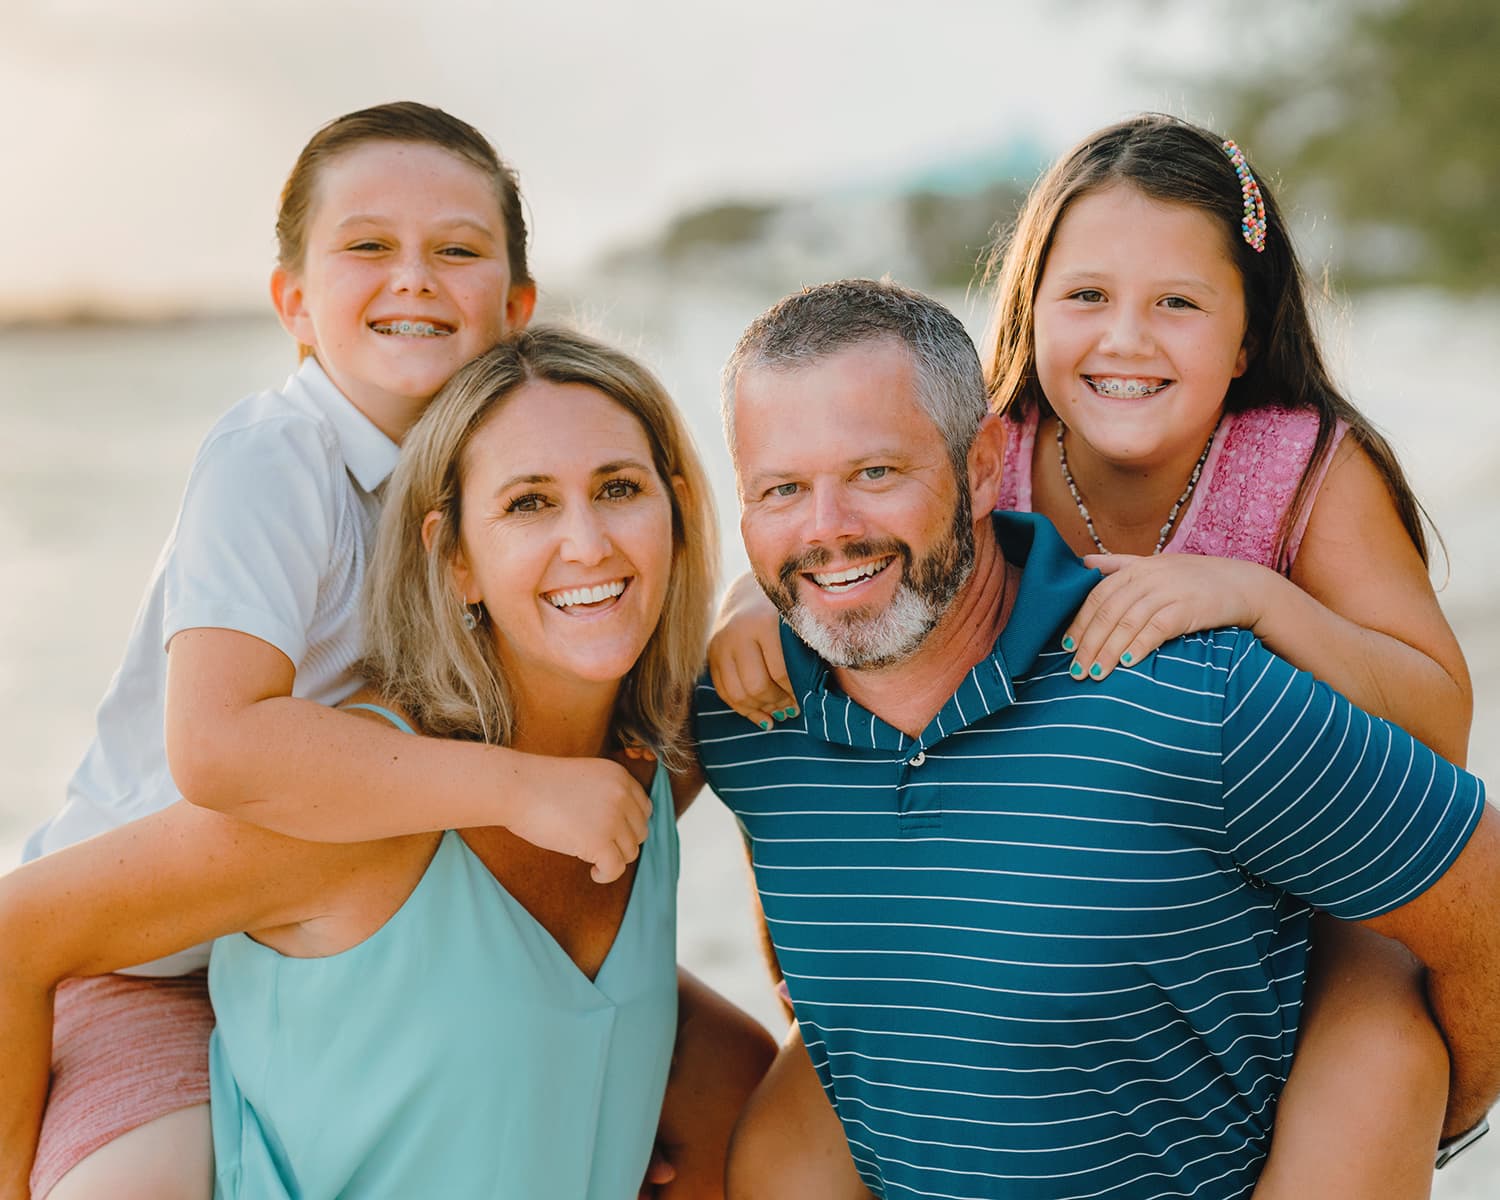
(784, 489)
(875, 472)
(620, 489)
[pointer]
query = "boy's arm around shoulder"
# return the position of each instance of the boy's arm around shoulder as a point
(240, 743)
(147, 889)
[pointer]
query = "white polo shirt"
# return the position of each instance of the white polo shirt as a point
(272, 539)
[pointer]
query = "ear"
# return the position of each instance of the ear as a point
(290, 303)
(986, 458)
(1248, 350)
(520, 303)
(458, 569)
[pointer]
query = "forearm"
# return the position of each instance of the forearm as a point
(299, 768)
(1466, 1005)
(25, 1071)
(1379, 673)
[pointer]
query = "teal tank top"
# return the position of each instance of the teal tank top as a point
(456, 1052)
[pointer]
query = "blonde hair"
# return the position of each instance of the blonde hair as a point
(449, 678)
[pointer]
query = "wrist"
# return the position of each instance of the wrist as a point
(510, 788)
(1265, 593)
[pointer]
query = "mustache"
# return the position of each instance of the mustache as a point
(816, 557)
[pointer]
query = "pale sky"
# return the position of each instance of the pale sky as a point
(146, 142)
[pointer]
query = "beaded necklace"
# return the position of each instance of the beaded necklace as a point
(1166, 529)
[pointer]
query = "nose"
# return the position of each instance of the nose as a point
(585, 539)
(831, 516)
(1125, 333)
(411, 274)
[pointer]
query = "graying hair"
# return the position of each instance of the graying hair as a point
(821, 321)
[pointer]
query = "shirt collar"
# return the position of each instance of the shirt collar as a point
(368, 454)
(1053, 584)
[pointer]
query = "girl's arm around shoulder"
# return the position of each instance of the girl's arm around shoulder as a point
(745, 659)
(240, 743)
(1374, 630)
(1358, 612)
(148, 889)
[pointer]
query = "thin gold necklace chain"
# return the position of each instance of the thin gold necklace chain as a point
(1166, 529)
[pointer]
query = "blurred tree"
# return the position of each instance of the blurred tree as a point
(1387, 114)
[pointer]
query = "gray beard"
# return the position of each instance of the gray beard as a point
(863, 640)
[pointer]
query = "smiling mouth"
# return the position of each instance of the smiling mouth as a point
(405, 328)
(1117, 388)
(587, 599)
(843, 581)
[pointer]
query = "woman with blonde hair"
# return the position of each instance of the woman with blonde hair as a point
(458, 1013)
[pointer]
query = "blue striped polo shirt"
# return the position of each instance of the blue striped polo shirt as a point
(1054, 947)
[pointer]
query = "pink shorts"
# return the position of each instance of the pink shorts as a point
(125, 1051)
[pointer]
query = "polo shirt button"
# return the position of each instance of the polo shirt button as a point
(917, 759)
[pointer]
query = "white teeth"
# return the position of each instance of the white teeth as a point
(834, 578)
(410, 328)
(1125, 389)
(588, 595)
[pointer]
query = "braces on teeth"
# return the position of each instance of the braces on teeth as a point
(421, 328)
(1125, 388)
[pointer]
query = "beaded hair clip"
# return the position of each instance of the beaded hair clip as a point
(1253, 224)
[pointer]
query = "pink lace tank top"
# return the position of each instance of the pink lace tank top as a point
(1248, 482)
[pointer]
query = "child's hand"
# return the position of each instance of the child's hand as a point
(1143, 602)
(744, 656)
(591, 808)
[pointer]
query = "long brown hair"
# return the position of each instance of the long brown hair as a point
(448, 678)
(1175, 162)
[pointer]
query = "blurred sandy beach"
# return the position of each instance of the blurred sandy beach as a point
(101, 423)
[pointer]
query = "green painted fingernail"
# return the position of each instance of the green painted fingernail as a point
(1096, 672)
(778, 715)
(1127, 658)
(1076, 670)
(1069, 644)
(764, 724)
(791, 712)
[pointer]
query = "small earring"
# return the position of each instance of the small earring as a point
(470, 621)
